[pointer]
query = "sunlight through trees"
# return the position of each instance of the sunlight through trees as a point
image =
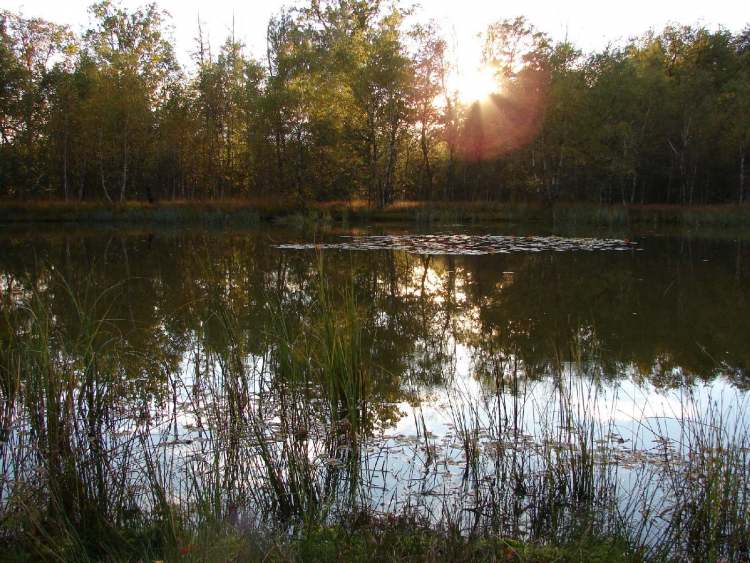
(352, 101)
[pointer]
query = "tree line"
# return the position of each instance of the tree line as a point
(354, 100)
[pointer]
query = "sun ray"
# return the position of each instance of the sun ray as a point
(477, 84)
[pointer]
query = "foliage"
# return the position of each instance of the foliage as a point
(353, 101)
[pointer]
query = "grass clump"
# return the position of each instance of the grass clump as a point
(406, 538)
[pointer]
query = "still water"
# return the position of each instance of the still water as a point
(467, 375)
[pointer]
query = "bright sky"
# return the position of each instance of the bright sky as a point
(589, 24)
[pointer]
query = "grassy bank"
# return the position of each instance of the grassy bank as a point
(248, 212)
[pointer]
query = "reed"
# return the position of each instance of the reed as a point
(247, 451)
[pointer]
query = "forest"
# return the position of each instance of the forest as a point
(354, 99)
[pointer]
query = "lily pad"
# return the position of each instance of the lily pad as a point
(466, 245)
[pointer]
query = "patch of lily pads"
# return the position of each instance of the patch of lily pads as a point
(467, 244)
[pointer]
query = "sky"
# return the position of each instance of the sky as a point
(589, 24)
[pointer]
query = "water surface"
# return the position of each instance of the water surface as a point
(451, 373)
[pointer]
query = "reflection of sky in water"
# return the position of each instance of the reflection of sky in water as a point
(453, 329)
(634, 418)
(635, 421)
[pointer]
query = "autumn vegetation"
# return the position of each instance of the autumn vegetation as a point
(353, 100)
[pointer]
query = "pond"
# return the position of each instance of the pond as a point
(514, 381)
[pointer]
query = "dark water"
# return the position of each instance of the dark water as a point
(216, 350)
(676, 312)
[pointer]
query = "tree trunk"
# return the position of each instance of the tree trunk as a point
(427, 182)
(390, 166)
(299, 165)
(65, 161)
(81, 179)
(741, 198)
(124, 169)
(101, 169)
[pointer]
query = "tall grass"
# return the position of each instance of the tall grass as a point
(240, 451)
(67, 491)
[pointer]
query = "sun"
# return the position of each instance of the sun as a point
(477, 84)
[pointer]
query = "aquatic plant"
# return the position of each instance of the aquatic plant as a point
(229, 448)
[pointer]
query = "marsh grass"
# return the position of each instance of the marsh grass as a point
(63, 496)
(275, 455)
(291, 212)
(706, 486)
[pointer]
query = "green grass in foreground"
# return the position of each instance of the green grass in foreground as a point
(381, 539)
(403, 540)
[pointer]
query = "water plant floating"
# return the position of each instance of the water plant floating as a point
(467, 244)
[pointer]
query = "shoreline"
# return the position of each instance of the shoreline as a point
(251, 212)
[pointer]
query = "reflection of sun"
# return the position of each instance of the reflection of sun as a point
(476, 84)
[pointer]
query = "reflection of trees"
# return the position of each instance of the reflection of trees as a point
(241, 370)
(659, 312)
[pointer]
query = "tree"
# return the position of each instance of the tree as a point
(353, 101)
(429, 78)
(135, 67)
(27, 50)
